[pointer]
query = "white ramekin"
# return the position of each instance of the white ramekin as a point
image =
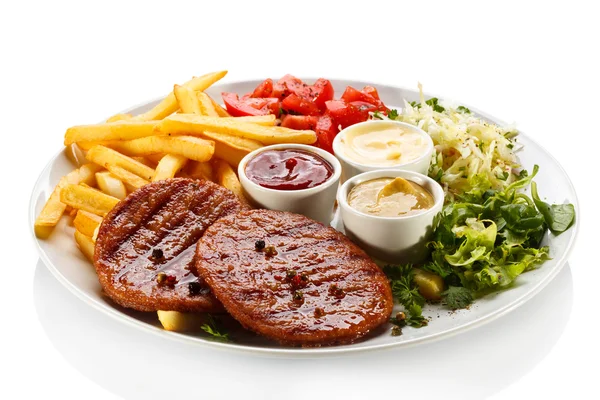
(391, 239)
(316, 203)
(351, 168)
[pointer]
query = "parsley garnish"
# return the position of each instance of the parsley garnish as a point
(433, 102)
(463, 109)
(407, 293)
(377, 115)
(392, 114)
(211, 328)
(457, 297)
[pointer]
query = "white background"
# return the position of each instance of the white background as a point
(72, 63)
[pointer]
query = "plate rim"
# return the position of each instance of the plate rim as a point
(297, 352)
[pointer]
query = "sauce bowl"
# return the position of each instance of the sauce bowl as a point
(398, 239)
(316, 202)
(351, 168)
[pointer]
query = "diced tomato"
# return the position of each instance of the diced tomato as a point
(318, 93)
(264, 89)
(300, 122)
(344, 114)
(370, 90)
(296, 104)
(326, 131)
(249, 106)
(363, 105)
(287, 85)
(367, 95)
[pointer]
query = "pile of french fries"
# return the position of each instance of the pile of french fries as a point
(187, 134)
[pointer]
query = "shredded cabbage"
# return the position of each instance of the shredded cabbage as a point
(472, 155)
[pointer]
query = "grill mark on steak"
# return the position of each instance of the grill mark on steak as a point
(169, 216)
(255, 290)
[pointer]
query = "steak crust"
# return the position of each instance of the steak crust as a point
(316, 287)
(154, 230)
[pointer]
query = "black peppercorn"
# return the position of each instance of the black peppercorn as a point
(194, 288)
(259, 244)
(157, 253)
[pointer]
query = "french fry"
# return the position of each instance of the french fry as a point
(189, 124)
(146, 161)
(220, 110)
(71, 212)
(119, 117)
(127, 177)
(95, 236)
(87, 199)
(190, 147)
(187, 100)
(86, 222)
(86, 245)
(169, 104)
(111, 185)
(206, 105)
(233, 141)
(169, 166)
(75, 154)
(155, 158)
(266, 120)
(200, 170)
(103, 155)
(181, 322)
(233, 155)
(119, 130)
(226, 177)
(54, 208)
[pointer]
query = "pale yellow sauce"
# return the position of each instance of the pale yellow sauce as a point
(385, 146)
(390, 197)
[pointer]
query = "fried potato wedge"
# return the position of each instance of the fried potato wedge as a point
(85, 244)
(111, 185)
(54, 208)
(190, 147)
(119, 130)
(206, 105)
(119, 117)
(189, 124)
(126, 177)
(226, 177)
(181, 322)
(200, 170)
(103, 155)
(86, 222)
(169, 104)
(187, 100)
(87, 199)
(169, 166)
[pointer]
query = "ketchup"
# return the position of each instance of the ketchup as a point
(288, 169)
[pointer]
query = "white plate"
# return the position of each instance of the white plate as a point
(64, 260)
